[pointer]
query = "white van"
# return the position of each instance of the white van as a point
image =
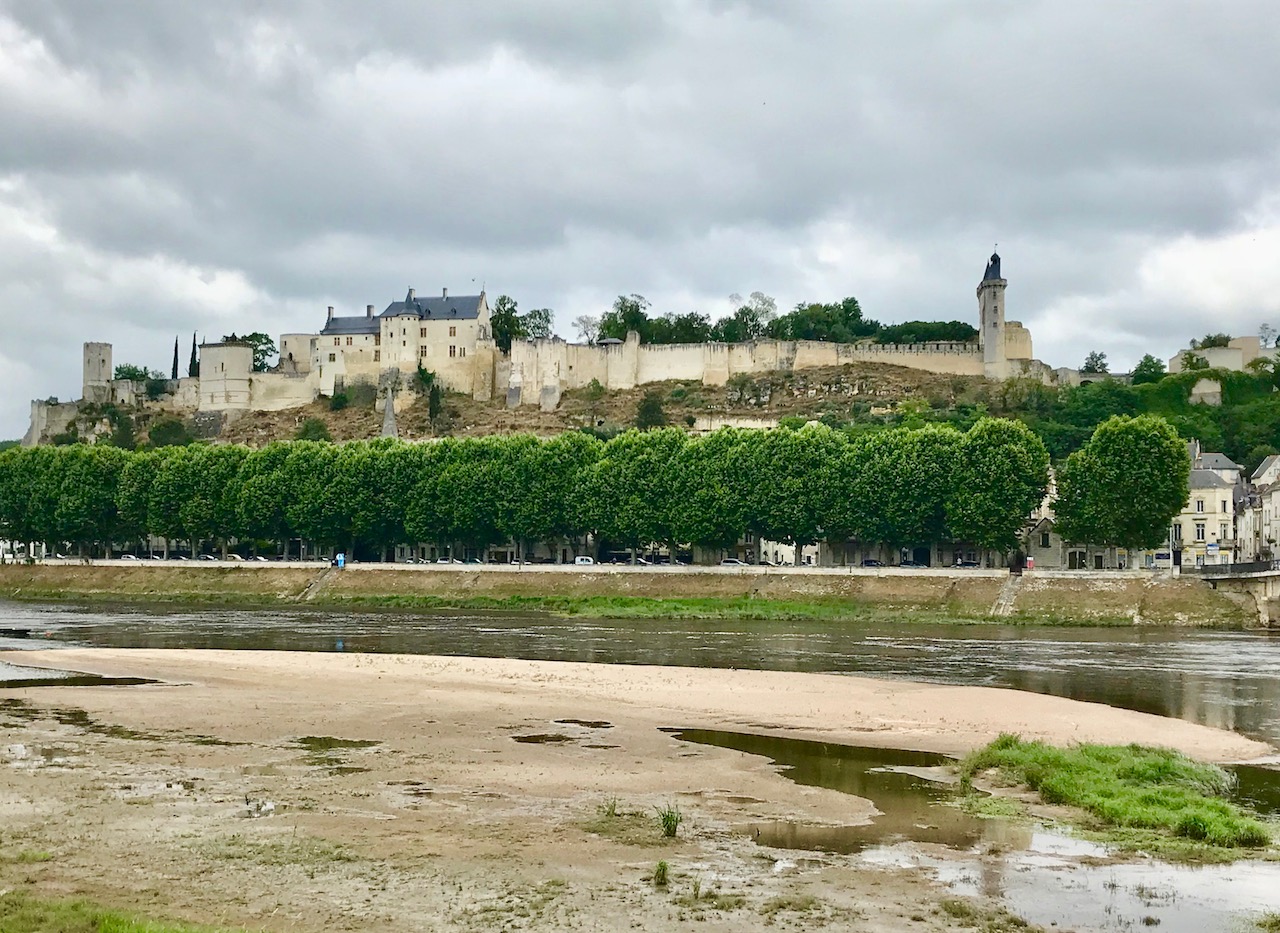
(583, 560)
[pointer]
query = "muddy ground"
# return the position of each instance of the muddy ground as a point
(289, 791)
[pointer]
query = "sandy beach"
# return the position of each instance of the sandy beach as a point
(147, 798)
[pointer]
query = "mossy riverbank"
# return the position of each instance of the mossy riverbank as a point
(675, 593)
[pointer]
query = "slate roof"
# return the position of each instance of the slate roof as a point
(1207, 479)
(1216, 462)
(453, 308)
(350, 325)
(1265, 465)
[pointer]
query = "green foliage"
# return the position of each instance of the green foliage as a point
(339, 401)
(361, 394)
(1209, 341)
(1095, 362)
(123, 434)
(1149, 369)
(898, 487)
(423, 380)
(193, 365)
(1124, 487)
(5, 445)
(435, 403)
(22, 913)
(507, 324)
(263, 349)
(1192, 360)
(313, 429)
(927, 332)
(1001, 474)
(1128, 786)
(670, 818)
(169, 432)
(134, 373)
(156, 386)
(661, 875)
(650, 413)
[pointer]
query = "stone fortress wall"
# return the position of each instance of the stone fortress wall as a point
(535, 372)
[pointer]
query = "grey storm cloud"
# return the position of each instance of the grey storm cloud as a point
(228, 166)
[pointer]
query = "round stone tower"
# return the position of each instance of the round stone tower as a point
(995, 363)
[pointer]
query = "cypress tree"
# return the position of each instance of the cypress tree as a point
(193, 368)
(175, 359)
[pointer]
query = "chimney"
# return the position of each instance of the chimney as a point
(368, 310)
(411, 294)
(331, 312)
(445, 294)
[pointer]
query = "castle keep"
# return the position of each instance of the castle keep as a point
(450, 336)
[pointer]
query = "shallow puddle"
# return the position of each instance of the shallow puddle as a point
(910, 789)
(543, 738)
(20, 676)
(1047, 878)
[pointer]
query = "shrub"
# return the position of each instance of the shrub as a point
(339, 401)
(670, 819)
(660, 873)
(313, 429)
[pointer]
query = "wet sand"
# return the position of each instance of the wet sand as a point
(444, 821)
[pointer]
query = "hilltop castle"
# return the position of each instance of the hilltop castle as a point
(451, 337)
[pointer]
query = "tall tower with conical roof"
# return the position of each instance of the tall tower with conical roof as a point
(995, 364)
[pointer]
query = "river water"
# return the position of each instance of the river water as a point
(1230, 680)
(1226, 679)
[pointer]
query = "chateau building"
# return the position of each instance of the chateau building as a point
(450, 336)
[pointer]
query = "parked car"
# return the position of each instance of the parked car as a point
(446, 560)
(259, 557)
(911, 563)
(584, 561)
(872, 562)
(208, 557)
(234, 556)
(732, 562)
(967, 563)
(128, 556)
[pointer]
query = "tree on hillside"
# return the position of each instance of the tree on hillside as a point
(169, 432)
(588, 328)
(263, 349)
(1125, 485)
(1266, 335)
(193, 365)
(1209, 341)
(1149, 369)
(629, 313)
(1095, 362)
(174, 373)
(650, 413)
(504, 322)
(507, 324)
(313, 429)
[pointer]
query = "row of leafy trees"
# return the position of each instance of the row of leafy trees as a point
(896, 487)
(756, 317)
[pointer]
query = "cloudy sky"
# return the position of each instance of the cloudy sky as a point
(169, 167)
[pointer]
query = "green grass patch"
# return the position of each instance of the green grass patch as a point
(1268, 923)
(1158, 793)
(629, 827)
(20, 913)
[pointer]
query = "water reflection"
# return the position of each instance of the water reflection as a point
(1230, 680)
(912, 806)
